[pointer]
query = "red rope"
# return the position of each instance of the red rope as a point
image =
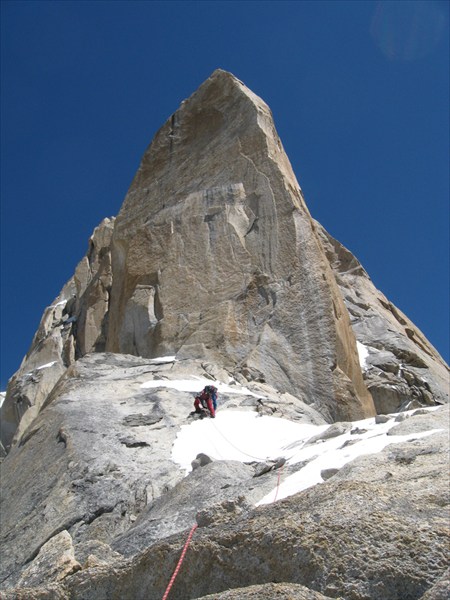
(180, 562)
(278, 482)
(189, 538)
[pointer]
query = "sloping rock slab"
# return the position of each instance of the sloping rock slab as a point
(378, 529)
(440, 590)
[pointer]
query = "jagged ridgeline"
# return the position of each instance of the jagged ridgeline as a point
(215, 263)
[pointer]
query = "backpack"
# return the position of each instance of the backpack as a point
(212, 391)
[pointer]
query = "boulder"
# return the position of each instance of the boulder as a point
(268, 591)
(54, 562)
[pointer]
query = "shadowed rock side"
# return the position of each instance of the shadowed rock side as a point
(215, 248)
(402, 369)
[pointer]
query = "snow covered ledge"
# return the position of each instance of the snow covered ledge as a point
(245, 436)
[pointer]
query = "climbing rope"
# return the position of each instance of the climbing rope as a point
(235, 447)
(180, 562)
(280, 472)
(194, 527)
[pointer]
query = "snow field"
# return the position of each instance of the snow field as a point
(247, 437)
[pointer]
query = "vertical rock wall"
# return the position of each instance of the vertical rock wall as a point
(215, 228)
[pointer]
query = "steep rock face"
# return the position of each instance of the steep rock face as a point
(93, 281)
(73, 325)
(402, 369)
(215, 255)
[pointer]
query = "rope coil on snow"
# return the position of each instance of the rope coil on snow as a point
(180, 562)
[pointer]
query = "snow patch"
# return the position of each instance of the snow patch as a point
(60, 303)
(247, 437)
(46, 366)
(162, 360)
(333, 456)
(363, 353)
(238, 435)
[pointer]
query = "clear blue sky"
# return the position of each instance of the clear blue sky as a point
(360, 96)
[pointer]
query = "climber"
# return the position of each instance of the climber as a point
(206, 401)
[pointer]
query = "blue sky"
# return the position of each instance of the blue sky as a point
(360, 96)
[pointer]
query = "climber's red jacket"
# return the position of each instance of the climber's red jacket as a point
(204, 399)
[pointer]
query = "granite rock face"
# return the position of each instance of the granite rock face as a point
(215, 264)
(402, 369)
(215, 256)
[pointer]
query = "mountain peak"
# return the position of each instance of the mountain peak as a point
(216, 227)
(214, 272)
(214, 257)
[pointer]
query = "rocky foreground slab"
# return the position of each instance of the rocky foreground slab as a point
(110, 511)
